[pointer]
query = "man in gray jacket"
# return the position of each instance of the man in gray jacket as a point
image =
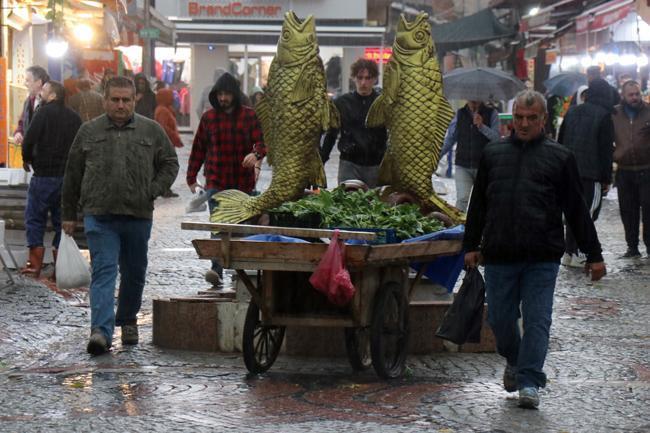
(118, 164)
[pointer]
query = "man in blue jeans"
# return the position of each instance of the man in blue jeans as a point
(524, 184)
(118, 164)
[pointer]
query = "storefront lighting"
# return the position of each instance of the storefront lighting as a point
(611, 59)
(83, 32)
(642, 61)
(56, 47)
(600, 57)
(627, 60)
(586, 61)
(534, 11)
(568, 62)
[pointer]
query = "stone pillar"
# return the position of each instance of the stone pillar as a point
(205, 61)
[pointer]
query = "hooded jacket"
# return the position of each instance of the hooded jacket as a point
(146, 105)
(225, 83)
(165, 116)
(588, 130)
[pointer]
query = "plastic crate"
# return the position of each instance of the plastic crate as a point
(287, 219)
(384, 236)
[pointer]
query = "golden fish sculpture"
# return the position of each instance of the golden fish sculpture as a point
(416, 114)
(294, 112)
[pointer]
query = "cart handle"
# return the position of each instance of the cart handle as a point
(273, 230)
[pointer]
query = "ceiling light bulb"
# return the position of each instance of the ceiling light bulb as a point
(56, 47)
(534, 11)
(83, 32)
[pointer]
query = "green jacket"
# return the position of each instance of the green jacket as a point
(117, 171)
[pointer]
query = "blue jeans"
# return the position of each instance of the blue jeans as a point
(532, 285)
(43, 196)
(212, 204)
(116, 240)
(465, 178)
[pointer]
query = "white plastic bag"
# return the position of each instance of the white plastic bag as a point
(72, 269)
(198, 202)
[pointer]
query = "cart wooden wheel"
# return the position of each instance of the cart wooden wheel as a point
(357, 346)
(389, 330)
(260, 344)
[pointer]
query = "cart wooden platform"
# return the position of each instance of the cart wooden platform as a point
(375, 322)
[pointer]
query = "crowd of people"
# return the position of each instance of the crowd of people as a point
(109, 153)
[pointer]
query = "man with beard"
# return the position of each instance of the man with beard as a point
(632, 156)
(588, 131)
(228, 144)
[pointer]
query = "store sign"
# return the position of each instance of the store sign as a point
(233, 10)
(378, 54)
(261, 10)
(590, 22)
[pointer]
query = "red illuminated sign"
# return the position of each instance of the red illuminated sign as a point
(376, 54)
(233, 9)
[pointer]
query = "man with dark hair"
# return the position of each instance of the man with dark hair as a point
(362, 149)
(632, 156)
(525, 182)
(86, 102)
(45, 149)
(228, 144)
(588, 131)
(118, 164)
(35, 78)
(471, 129)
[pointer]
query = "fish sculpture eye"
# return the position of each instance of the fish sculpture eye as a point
(420, 35)
(286, 35)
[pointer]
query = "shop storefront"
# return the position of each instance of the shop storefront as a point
(240, 37)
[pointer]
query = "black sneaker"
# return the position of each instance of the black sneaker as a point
(631, 253)
(510, 378)
(97, 344)
(129, 334)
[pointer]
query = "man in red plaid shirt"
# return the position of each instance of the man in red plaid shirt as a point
(229, 144)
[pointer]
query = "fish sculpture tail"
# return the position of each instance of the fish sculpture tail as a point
(234, 206)
(456, 215)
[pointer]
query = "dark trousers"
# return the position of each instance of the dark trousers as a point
(592, 194)
(634, 204)
(43, 197)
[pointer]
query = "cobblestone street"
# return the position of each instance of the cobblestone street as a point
(598, 363)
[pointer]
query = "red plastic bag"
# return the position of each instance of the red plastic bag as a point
(330, 277)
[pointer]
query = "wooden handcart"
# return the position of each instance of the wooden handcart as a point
(375, 322)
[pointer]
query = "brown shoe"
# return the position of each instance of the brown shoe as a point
(34, 263)
(97, 344)
(130, 334)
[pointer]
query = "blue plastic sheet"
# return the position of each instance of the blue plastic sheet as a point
(275, 238)
(443, 270)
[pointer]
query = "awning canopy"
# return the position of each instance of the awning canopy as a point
(603, 16)
(268, 34)
(470, 31)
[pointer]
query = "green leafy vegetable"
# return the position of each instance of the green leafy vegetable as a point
(363, 210)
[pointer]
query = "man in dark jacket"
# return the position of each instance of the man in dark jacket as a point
(588, 131)
(119, 163)
(45, 148)
(632, 156)
(35, 78)
(473, 127)
(362, 149)
(145, 98)
(524, 184)
(228, 144)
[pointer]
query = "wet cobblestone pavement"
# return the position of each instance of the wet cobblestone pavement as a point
(598, 364)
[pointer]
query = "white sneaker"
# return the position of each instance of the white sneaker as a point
(578, 260)
(566, 259)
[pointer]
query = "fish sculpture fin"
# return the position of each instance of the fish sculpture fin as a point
(391, 81)
(263, 112)
(304, 87)
(385, 176)
(231, 207)
(319, 178)
(456, 215)
(376, 114)
(330, 116)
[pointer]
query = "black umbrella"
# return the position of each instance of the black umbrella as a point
(565, 84)
(481, 84)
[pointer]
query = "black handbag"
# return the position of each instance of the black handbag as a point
(463, 320)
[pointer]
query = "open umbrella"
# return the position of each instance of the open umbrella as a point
(481, 84)
(565, 83)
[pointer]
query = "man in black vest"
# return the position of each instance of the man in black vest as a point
(474, 126)
(588, 130)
